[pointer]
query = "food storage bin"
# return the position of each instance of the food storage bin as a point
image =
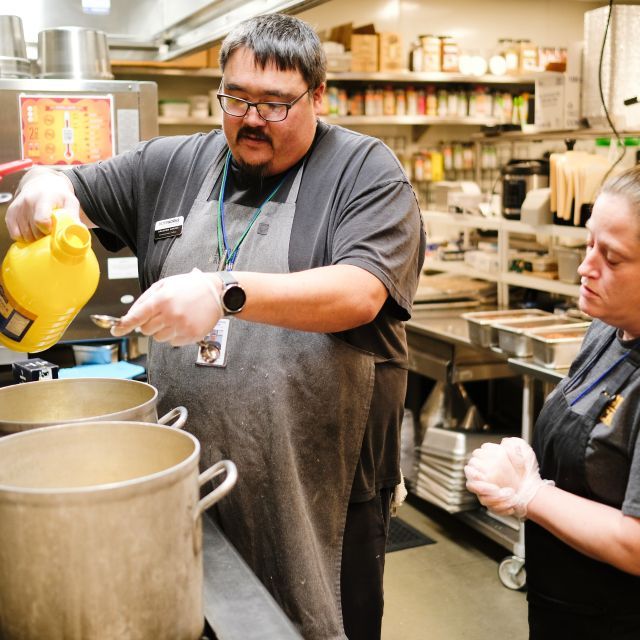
(95, 354)
(568, 262)
(556, 347)
(174, 108)
(513, 336)
(199, 106)
(479, 323)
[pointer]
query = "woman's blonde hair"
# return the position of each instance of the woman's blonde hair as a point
(625, 184)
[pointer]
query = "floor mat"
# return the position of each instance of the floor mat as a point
(404, 536)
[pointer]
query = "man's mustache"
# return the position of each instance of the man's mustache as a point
(254, 133)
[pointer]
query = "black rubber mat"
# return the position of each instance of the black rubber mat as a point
(404, 536)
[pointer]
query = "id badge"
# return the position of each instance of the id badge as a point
(212, 350)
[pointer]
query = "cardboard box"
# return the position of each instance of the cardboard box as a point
(558, 103)
(390, 53)
(549, 102)
(213, 56)
(364, 52)
(193, 61)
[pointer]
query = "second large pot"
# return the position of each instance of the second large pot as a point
(48, 402)
(101, 532)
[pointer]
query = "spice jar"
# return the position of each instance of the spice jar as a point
(431, 53)
(449, 55)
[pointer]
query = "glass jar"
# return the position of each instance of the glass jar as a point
(449, 55)
(431, 53)
(416, 57)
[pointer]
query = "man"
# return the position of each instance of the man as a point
(307, 239)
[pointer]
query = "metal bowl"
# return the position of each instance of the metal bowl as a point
(73, 52)
(13, 50)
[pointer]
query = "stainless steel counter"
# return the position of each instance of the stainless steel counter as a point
(530, 368)
(236, 604)
(440, 349)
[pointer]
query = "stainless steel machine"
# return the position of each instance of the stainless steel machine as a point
(65, 123)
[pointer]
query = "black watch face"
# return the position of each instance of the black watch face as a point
(234, 298)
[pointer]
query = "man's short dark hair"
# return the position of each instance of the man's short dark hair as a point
(285, 41)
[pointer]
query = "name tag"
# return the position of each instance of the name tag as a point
(169, 228)
(212, 351)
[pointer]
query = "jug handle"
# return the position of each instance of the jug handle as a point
(221, 490)
(61, 218)
(180, 415)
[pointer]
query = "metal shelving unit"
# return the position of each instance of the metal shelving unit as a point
(434, 77)
(503, 277)
(196, 122)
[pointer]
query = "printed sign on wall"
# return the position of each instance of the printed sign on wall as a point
(66, 129)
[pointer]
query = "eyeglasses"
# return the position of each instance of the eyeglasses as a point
(269, 111)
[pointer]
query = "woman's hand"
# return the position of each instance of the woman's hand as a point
(505, 477)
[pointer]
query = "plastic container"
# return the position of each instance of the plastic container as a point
(174, 108)
(568, 262)
(199, 106)
(43, 285)
(95, 354)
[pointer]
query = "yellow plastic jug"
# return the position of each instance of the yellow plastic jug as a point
(43, 285)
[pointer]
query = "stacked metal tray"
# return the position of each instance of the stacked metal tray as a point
(482, 331)
(557, 347)
(552, 340)
(514, 336)
(442, 456)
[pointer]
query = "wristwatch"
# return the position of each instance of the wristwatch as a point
(233, 296)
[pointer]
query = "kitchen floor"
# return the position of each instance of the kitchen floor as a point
(449, 590)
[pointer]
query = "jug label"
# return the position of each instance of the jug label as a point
(14, 321)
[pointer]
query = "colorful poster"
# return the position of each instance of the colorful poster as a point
(66, 129)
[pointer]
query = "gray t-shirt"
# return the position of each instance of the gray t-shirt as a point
(612, 460)
(355, 206)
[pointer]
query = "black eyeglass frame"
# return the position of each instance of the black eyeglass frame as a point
(250, 104)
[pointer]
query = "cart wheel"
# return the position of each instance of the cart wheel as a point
(512, 573)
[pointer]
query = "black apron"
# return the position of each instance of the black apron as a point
(559, 577)
(289, 408)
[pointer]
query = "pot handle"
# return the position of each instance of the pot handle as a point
(222, 489)
(180, 415)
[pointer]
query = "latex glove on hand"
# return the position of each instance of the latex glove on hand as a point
(505, 477)
(180, 310)
(29, 215)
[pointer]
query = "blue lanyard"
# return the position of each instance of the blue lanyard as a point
(228, 256)
(601, 377)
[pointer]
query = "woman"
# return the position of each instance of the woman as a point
(583, 530)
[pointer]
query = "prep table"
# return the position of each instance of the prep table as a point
(440, 349)
(236, 604)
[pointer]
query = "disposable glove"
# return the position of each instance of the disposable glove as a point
(180, 310)
(505, 477)
(29, 215)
